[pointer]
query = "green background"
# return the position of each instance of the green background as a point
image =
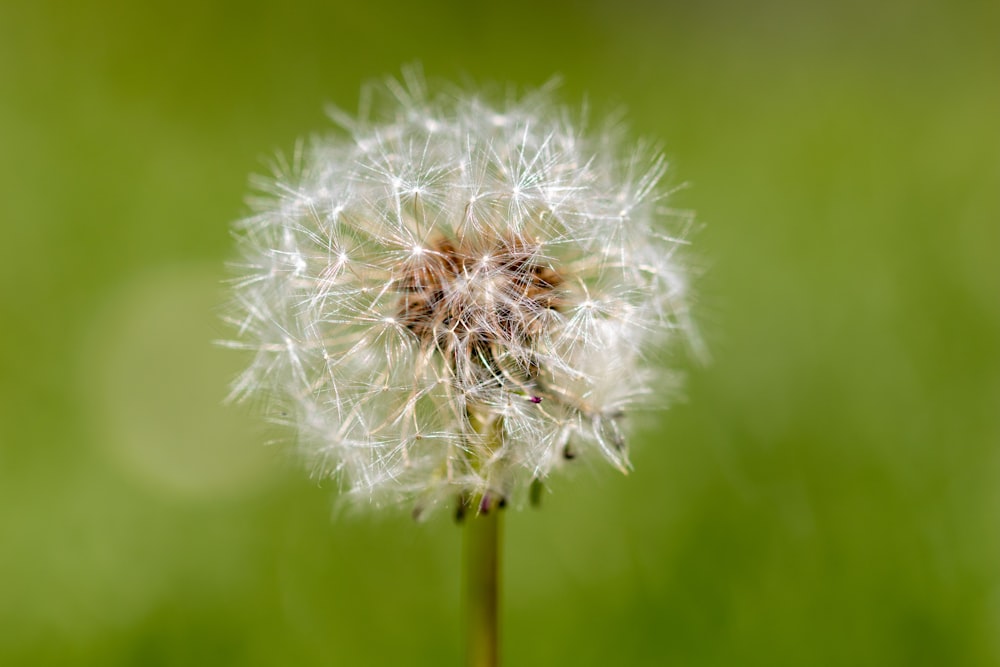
(827, 494)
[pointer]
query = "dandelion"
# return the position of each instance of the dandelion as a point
(454, 298)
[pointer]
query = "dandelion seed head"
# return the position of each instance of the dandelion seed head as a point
(454, 299)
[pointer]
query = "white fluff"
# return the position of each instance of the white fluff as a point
(455, 297)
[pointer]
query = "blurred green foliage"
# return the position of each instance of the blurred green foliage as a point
(828, 494)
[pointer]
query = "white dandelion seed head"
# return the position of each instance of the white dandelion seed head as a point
(456, 297)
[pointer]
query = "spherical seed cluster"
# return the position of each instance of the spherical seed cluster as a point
(456, 297)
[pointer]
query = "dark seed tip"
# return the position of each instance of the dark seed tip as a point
(535, 492)
(460, 508)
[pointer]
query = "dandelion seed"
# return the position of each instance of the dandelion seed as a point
(452, 300)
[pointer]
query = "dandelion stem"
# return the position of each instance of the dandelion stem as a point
(481, 590)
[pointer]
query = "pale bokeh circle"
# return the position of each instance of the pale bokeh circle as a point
(157, 381)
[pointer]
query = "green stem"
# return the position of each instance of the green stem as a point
(481, 590)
